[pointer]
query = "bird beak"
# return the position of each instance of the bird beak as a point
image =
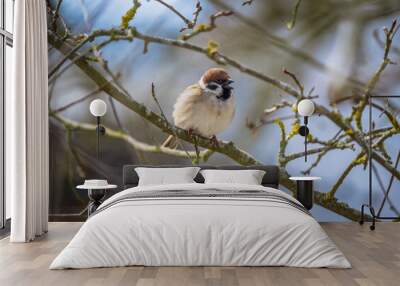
(227, 84)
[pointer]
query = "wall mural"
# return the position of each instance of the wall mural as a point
(139, 56)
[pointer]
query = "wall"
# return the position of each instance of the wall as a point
(332, 50)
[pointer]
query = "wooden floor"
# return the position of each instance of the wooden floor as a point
(375, 257)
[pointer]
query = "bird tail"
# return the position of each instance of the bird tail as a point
(170, 142)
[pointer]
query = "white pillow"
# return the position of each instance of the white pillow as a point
(164, 176)
(248, 177)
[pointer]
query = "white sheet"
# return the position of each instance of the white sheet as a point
(211, 231)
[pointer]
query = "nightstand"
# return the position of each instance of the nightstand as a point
(96, 192)
(305, 191)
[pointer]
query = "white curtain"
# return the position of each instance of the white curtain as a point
(27, 147)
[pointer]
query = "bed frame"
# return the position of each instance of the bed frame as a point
(271, 178)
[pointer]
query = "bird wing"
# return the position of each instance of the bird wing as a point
(192, 92)
(184, 105)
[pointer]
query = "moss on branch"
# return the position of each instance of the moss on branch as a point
(130, 14)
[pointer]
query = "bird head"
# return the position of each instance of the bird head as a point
(216, 81)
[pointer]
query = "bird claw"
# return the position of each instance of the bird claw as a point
(191, 134)
(194, 139)
(214, 141)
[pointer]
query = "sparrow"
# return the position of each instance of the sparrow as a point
(205, 108)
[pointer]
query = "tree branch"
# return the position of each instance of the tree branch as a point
(136, 144)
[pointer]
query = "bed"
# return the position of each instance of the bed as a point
(198, 224)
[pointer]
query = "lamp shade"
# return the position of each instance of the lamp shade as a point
(305, 107)
(98, 107)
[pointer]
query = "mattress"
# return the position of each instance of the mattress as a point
(201, 225)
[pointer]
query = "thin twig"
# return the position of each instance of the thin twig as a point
(153, 95)
(179, 14)
(358, 160)
(386, 194)
(262, 121)
(80, 165)
(60, 69)
(247, 2)
(196, 13)
(295, 79)
(382, 188)
(105, 66)
(298, 155)
(321, 155)
(189, 23)
(292, 22)
(202, 28)
(255, 126)
(74, 50)
(83, 98)
(381, 43)
(115, 113)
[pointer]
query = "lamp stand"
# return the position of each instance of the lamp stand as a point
(100, 130)
(304, 131)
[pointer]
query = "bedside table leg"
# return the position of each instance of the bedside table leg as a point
(92, 207)
(95, 197)
(305, 193)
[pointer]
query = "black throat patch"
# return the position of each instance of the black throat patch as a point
(226, 94)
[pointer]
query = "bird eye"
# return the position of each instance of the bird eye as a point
(212, 86)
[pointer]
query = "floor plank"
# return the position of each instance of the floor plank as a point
(375, 257)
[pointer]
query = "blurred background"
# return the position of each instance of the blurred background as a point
(331, 41)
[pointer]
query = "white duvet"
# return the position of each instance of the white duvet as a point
(200, 231)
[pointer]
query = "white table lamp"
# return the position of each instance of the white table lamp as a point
(305, 108)
(98, 108)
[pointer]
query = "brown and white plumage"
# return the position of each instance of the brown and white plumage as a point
(206, 108)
